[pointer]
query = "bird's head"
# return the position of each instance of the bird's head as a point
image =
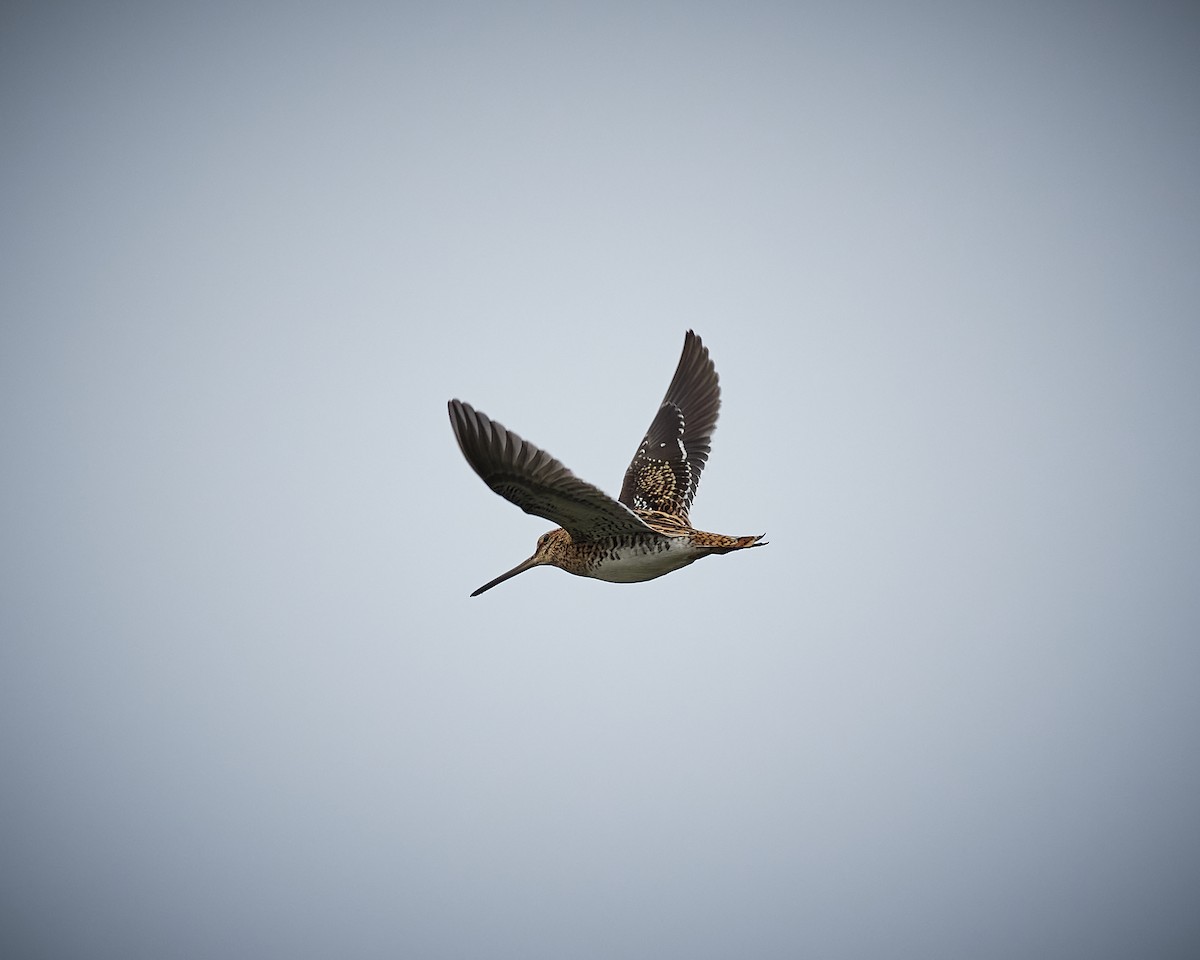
(551, 547)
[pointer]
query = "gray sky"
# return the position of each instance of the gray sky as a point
(947, 260)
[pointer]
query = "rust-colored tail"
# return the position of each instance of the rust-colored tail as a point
(719, 543)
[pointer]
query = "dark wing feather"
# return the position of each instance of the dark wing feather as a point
(536, 482)
(665, 471)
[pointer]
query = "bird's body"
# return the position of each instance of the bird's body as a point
(631, 558)
(646, 532)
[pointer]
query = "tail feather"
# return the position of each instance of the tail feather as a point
(719, 543)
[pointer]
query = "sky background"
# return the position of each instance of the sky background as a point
(947, 259)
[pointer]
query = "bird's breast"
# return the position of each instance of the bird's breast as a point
(636, 560)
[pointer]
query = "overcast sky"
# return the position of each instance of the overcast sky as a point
(946, 257)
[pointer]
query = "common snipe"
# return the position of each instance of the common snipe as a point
(642, 534)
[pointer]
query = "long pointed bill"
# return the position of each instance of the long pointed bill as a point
(519, 568)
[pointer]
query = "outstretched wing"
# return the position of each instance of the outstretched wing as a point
(536, 482)
(665, 471)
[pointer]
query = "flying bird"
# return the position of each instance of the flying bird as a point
(645, 532)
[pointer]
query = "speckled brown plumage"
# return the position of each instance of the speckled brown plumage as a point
(665, 470)
(644, 534)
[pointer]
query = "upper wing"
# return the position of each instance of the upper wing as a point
(536, 482)
(665, 471)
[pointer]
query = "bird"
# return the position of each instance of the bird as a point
(644, 533)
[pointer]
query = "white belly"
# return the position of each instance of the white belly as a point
(634, 564)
